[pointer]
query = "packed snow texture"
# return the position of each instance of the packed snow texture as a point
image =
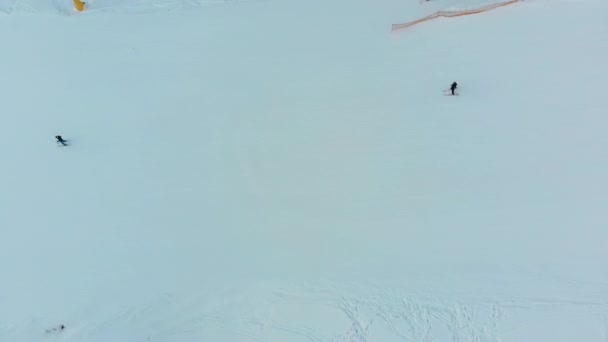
(287, 171)
(66, 6)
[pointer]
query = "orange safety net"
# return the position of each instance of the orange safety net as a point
(452, 14)
(79, 5)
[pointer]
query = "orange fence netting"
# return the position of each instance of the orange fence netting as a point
(453, 14)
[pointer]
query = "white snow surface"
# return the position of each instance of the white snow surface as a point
(290, 171)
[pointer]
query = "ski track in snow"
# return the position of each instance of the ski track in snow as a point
(365, 314)
(406, 318)
(413, 320)
(375, 316)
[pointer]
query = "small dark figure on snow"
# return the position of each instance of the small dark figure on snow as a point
(453, 87)
(60, 328)
(60, 140)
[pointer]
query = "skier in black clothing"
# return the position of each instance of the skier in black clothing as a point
(60, 140)
(453, 87)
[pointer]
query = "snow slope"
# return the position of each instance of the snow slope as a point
(66, 7)
(290, 171)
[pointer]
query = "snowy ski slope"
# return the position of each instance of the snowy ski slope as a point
(286, 171)
(65, 7)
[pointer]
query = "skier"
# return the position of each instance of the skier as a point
(453, 87)
(60, 328)
(60, 140)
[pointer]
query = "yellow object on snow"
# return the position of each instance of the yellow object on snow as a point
(79, 5)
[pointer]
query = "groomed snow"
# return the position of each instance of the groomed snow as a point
(290, 171)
